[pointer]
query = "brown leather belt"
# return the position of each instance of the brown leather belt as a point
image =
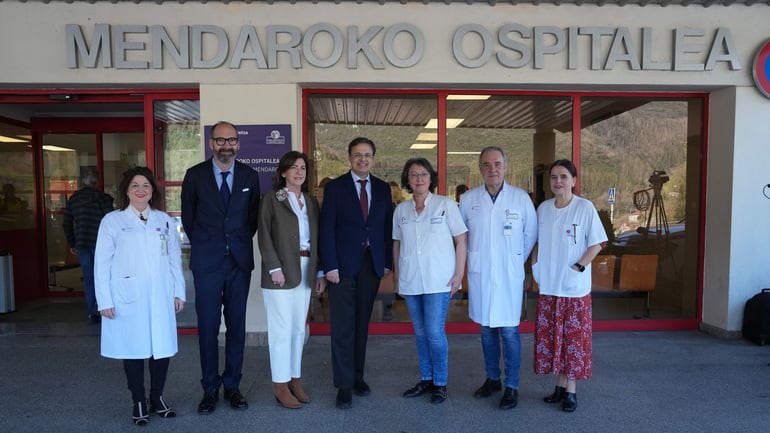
(304, 253)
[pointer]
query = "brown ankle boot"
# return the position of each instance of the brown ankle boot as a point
(295, 386)
(284, 396)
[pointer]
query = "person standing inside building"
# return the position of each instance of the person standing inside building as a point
(429, 245)
(570, 235)
(288, 243)
(356, 250)
(220, 211)
(459, 191)
(140, 288)
(502, 229)
(82, 215)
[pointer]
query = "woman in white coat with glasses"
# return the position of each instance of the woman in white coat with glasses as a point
(139, 289)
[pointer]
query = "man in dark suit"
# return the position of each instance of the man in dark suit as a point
(220, 204)
(356, 250)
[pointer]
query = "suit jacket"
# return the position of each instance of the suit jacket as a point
(344, 232)
(278, 238)
(212, 228)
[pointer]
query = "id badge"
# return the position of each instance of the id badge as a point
(164, 237)
(164, 244)
(508, 228)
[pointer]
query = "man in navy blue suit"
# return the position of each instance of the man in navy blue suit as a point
(220, 202)
(357, 251)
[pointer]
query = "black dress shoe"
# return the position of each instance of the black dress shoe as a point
(344, 399)
(569, 404)
(557, 396)
(510, 398)
(140, 415)
(208, 403)
(488, 388)
(421, 388)
(236, 399)
(361, 389)
(438, 394)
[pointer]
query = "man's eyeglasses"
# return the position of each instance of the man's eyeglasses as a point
(362, 156)
(220, 141)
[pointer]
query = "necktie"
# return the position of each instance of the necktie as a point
(224, 190)
(364, 199)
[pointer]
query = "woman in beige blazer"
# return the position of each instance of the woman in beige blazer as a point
(288, 243)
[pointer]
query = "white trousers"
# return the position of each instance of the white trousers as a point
(286, 318)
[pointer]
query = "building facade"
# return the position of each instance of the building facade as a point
(662, 105)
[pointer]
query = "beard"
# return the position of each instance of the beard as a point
(225, 156)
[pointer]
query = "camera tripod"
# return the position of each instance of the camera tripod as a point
(656, 212)
(655, 209)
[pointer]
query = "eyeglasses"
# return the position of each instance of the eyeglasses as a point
(220, 141)
(418, 175)
(362, 156)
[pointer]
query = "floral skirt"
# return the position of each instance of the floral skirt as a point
(563, 337)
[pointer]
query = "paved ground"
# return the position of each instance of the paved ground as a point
(53, 380)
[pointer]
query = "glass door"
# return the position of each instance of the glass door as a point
(177, 144)
(67, 158)
(19, 230)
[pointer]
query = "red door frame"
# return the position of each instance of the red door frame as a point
(598, 325)
(32, 275)
(25, 245)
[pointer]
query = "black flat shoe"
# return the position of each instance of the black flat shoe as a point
(236, 399)
(557, 396)
(421, 388)
(208, 403)
(140, 416)
(510, 398)
(361, 389)
(438, 395)
(570, 402)
(344, 399)
(160, 407)
(490, 386)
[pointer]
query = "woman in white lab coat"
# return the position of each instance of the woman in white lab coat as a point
(139, 289)
(429, 245)
(570, 235)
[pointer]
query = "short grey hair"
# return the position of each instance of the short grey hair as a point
(89, 178)
(492, 149)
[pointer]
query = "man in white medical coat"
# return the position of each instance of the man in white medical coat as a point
(502, 229)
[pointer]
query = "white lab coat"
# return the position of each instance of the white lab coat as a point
(426, 260)
(133, 275)
(500, 237)
(564, 235)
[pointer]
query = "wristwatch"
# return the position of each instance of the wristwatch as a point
(579, 267)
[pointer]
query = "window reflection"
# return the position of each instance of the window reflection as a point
(623, 141)
(16, 180)
(642, 149)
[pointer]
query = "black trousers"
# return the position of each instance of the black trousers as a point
(135, 376)
(350, 307)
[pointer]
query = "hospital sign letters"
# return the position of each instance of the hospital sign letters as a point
(401, 45)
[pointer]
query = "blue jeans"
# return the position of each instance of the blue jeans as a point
(428, 314)
(490, 343)
(86, 257)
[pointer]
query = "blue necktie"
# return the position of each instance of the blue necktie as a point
(224, 190)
